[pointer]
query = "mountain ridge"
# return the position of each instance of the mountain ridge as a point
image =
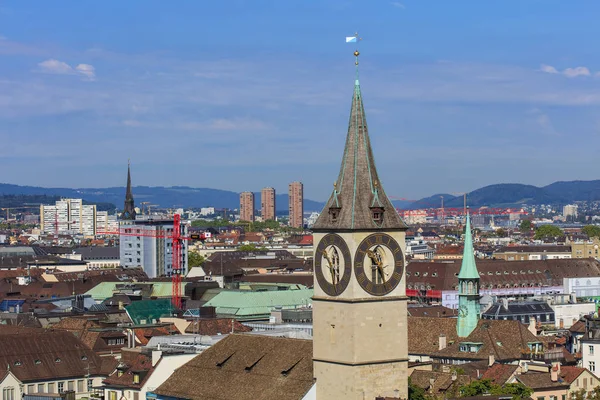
(501, 195)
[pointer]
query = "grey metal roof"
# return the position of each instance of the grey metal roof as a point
(358, 187)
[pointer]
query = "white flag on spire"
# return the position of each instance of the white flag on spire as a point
(351, 39)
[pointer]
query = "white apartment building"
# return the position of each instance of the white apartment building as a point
(147, 244)
(106, 222)
(68, 216)
(204, 211)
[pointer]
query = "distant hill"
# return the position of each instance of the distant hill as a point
(176, 196)
(575, 190)
(515, 194)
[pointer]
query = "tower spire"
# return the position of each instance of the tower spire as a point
(468, 269)
(129, 206)
(468, 287)
(358, 201)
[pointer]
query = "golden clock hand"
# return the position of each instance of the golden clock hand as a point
(331, 270)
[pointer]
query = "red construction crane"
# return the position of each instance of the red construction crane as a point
(176, 241)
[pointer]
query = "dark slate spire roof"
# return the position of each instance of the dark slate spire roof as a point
(129, 207)
(358, 201)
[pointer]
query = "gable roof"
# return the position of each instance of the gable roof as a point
(424, 334)
(49, 355)
(540, 380)
(216, 326)
(438, 383)
(499, 374)
(358, 187)
(505, 340)
(245, 367)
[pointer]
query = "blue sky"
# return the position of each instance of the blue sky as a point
(239, 95)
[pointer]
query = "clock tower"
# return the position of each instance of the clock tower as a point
(360, 347)
(468, 288)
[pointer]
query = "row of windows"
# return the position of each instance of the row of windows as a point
(51, 387)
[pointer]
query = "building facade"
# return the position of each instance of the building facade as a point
(267, 204)
(296, 206)
(247, 206)
(68, 216)
(585, 249)
(106, 222)
(360, 339)
(148, 245)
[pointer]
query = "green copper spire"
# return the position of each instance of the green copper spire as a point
(469, 310)
(468, 269)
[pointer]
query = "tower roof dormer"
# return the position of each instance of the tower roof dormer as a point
(468, 269)
(358, 201)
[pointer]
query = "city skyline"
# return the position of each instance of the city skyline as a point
(466, 94)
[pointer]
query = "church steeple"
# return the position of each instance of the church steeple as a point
(468, 288)
(129, 207)
(358, 201)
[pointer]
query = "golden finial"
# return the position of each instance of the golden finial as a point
(356, 54)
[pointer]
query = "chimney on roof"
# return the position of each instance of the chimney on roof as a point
(454, 375)
(531, 326)
(491, 360)
(442, 342)
(431, 382)
(555, 371)
(505, 303)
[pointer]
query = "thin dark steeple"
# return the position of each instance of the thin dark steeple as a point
(129, 207)
(358, 201)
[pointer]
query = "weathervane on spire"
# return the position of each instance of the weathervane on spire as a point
(354, 39)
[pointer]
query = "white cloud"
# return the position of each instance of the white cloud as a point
(577, 71)
(86, 70)
(569, 72)
(397, 4)
(548, 69)
(53, 66)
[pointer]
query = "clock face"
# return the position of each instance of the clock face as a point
(332, 264)
(463, 311)
(379, 264)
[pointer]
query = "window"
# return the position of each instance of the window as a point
(38, 362)
(57, 360)
(112, 395)
(71, 385)
(136, 378)
(564, 397)
(80, 386)
(51, 387)
(61, 387)
(90, 384)
(553, 398)
(115, 342)
(136, 395)
(541, 398)
(40, 388)
(592, 366)
(591, 350)
(30, 389)
(8, 393)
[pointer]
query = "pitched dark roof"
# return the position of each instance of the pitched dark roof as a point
(358, 187)
(505, 340)
(540, 380)
(245, 367)
(438, 383)
(98, 252)
(444, 275)
(518, 308)
(424, 334)
(550, 248)
(216, 326)
(500, 373)
(48, 355)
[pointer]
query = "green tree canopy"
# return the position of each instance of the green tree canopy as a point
(195, 259)
(591, 231)
(525, 225)
(250, 248)
(548, 232)
(518, 391)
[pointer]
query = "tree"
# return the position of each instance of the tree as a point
(525, 226)
(591, 231)
(518, 391)
(500, 232)
(476, 388)
(415, 392)
(250, 248)
(195, 259)
(548, 232)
